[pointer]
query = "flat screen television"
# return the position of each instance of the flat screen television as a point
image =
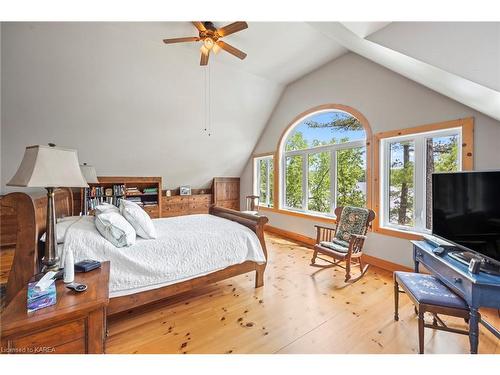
(466, 211)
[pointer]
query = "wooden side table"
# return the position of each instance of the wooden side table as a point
(75, 324)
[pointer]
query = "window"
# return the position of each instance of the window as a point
(324, 163)
(407, 164)
(264, 180)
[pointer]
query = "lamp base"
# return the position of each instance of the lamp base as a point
(50, 261)
(46, 268)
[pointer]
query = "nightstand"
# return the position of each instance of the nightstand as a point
(75, 324)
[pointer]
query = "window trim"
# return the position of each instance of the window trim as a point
(256, 178)
(466, 126)
(279, 165)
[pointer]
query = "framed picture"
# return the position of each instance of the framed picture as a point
(185, 190)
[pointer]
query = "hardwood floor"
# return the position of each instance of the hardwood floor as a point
(300, 309)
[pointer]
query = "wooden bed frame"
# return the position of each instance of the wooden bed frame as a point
(31, 216)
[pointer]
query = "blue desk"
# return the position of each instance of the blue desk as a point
(478, 290)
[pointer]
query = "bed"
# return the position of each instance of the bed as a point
(190, 251)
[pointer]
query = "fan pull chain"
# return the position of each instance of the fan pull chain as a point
(205, 78)
(209, 103)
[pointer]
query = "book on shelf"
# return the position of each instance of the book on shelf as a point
(93, 202)
(132, 191)
(150, 190)
(100, 191)
(135, 200)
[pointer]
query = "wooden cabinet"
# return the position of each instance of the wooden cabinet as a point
(226, 191)
(76, 324)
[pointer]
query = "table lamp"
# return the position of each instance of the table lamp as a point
(49, 167)
(90, 176)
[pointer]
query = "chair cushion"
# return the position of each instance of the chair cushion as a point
(429, 290)
(352, 221)
(334, 246)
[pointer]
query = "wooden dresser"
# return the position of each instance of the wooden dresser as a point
(75, 324)
(178, 205)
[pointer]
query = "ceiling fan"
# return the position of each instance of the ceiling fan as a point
(211, 37)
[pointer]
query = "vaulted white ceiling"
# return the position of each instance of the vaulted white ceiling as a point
(278, 51)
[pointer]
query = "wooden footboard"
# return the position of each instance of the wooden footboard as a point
(255, 223)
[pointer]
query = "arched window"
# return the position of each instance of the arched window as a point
(323, 162)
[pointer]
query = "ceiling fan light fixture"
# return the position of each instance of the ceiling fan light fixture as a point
(208, 43)
(210, 38)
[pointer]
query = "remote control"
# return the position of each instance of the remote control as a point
(77, 287)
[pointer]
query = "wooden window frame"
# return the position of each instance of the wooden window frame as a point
(278, 162)
(467, 158)
(255, 178)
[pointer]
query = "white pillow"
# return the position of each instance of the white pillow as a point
(115, 228)
(139, 219)
(62, 226)
(104, 207)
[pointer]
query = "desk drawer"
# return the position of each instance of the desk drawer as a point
(452, 278)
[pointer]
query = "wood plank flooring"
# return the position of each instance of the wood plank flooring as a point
(300, 309)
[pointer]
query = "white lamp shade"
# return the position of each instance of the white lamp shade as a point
(89, 173)
(46, 166)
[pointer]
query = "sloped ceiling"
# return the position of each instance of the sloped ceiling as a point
(132, 105)
(442, 80)
(278, 51)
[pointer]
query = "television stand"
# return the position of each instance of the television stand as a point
(465, 257)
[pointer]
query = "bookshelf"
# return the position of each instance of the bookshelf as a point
(146, 191)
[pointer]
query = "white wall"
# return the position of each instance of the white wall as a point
(128, 103)
(389, 101)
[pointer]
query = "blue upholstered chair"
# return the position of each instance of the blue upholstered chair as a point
(344, 243)
(429, 294)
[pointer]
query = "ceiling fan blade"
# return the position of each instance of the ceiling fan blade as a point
(180, 40)
(232, 50)
(204, 58)
(232, 28)
(199, 25)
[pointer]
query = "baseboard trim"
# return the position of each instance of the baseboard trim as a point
(291, 235)
(374, 261)
(384, 264)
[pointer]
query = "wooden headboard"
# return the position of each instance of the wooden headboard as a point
(31, 214)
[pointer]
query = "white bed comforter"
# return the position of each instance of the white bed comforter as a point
(186, 247)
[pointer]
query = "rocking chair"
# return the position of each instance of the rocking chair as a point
(344, 243)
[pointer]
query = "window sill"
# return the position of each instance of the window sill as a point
(393, 232)
(303, 215)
